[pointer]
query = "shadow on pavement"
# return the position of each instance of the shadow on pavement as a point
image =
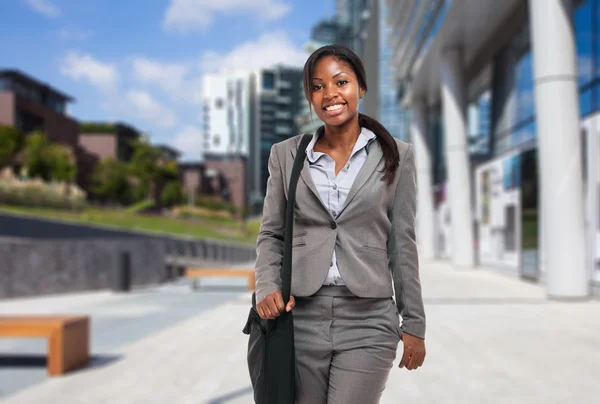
(231, 396)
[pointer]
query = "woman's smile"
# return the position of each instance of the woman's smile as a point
(335, 109)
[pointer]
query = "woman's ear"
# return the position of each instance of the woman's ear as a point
(361, 93)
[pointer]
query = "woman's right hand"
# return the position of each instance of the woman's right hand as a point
(272, 305)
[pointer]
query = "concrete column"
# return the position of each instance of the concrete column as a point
(457, 156)
(425, 211)
(561, 182)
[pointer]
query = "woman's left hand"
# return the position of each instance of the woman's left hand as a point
(414, 352)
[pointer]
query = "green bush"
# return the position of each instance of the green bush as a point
(109, 180)
(172, 194)
(37, 159)
(11, 141)
(61, 161)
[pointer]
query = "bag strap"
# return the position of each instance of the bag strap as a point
(286, 268)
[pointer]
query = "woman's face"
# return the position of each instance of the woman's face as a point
(335, 91)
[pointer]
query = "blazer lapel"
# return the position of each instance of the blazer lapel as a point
(306, 177)
(373, 159)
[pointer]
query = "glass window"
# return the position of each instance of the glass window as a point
(584, 36)
(586, 105)
(525, 88)
(268, 81)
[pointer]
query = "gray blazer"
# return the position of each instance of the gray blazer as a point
(374, 233)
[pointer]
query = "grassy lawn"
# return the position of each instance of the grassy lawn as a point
(212, 228)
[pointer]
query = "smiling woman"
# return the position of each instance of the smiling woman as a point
(353, 244)
(334, 82)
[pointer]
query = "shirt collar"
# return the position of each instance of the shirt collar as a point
(365, 138)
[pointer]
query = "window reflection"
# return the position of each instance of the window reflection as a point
(584, 37)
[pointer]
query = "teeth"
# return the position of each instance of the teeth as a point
(334, 107)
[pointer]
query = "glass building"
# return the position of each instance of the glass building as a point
(506, 137)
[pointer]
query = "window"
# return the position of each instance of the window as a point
(219, 103)
(216, 140)
(268, 81)
(584, 37)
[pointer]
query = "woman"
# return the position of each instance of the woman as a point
(353, 226)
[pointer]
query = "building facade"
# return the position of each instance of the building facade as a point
(226, 110)
(108, 140)
(503, 100)
(371, 38)
(28, 105)
(277, 102)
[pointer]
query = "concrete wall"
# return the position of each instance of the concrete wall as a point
(235, 173)
(7, 108)
(39, 256)
(26, 227)
(101, 145)
(34, 266)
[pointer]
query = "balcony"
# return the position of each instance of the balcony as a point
(283, 130)
(284, 84)
(283, 100)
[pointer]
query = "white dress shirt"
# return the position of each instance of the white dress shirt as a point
(333, 190)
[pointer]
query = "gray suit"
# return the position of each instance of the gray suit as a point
(373, 233)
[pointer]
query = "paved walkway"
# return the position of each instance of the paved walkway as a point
(491, 339)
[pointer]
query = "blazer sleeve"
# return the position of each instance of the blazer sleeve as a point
(269, 243)
(402, 247)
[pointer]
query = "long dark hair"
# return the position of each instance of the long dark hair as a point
(387, 141)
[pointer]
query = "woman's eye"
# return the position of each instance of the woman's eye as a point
(342, 82)
(317, 87)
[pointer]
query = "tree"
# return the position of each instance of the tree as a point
(172, 194)
(61, 161)
(36, 156)
(109, 180)
(145, 164)
(11, 142)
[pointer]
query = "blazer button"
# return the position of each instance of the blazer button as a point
(333, 225)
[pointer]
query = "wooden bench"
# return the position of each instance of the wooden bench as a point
(68, 338)
(196, 273)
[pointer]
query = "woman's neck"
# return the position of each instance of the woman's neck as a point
(341, 137)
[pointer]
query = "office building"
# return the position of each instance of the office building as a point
(226, 111)
(244, 114)
(278, 102)
(504, 121)
(371, 39)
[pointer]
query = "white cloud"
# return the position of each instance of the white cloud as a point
(150, 110)
(167, 76)
(190, 15)
(179, 80)
(189, 140)
(268, 50)
(81, 66)
(44, 7)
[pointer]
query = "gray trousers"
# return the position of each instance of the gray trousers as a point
(345, 346)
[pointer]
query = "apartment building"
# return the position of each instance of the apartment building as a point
(28, 104)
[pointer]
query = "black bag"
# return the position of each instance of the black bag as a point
(271, 353)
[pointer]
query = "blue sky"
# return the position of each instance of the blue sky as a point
(141, 61)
